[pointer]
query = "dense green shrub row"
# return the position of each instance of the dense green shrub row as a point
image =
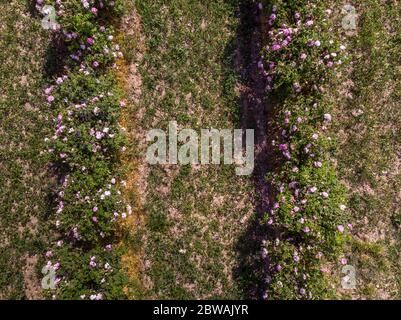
(306, 222)
(84, 149)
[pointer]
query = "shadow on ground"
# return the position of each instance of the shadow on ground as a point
(255, 112)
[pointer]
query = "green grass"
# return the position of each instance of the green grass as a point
(370, 148)
(24, 177)
(193, 214)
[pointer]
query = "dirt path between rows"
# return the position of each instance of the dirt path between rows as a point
(135, 183)
(255, 113)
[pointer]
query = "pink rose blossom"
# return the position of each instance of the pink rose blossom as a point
(324, 195)
(312, 189)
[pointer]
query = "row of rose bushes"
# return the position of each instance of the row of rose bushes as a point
(307, 220)
(84, 149)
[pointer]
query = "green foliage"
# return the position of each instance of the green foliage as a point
(307, 218)
(84, 149)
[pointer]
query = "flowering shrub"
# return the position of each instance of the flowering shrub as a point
(306, 221)
(84, 149)
(301, 53)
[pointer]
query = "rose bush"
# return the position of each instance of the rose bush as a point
(306, 222)
(85, 151)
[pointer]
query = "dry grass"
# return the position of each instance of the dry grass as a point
(24, 180)
(369, 129)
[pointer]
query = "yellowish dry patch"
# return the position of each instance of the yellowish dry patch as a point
(133, 188)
